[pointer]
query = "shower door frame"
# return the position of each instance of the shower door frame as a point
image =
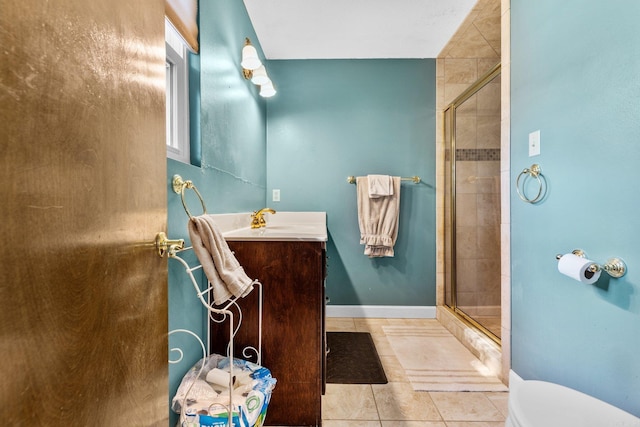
(450, 174)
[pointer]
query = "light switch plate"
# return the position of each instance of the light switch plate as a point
(534, 143)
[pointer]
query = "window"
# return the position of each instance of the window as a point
(177, 96)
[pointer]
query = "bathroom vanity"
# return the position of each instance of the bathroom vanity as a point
(291, 265)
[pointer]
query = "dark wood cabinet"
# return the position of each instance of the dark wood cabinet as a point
(292, 274)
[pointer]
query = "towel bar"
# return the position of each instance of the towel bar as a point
(416, 179)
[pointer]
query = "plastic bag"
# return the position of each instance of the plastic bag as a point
(250, 392)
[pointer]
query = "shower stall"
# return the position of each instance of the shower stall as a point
(472, 204)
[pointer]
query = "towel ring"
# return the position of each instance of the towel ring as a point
(534, 172)
(179, 186)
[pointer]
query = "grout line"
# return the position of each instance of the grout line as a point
(375, 402)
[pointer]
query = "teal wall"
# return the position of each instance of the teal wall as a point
(330, 119)
(228, 132)
(575, 75)
(336, 118)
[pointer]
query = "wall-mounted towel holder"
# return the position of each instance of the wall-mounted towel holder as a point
(534, 172)
(168, 246)
(179, 185)
(416, 179)
(614, 267)
(164, 245)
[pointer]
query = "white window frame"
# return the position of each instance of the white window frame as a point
(177, 141)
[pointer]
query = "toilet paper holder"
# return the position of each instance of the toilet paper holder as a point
(614, 267)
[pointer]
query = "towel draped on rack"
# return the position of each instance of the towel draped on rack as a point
(378, 218)
(225, 274)
(380, 186)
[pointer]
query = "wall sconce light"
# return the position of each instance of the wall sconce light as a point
(253, 69)
(267, 90)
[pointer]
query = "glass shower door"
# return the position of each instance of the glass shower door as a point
(472, 205)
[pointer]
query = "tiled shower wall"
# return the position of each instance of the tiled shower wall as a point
(478, 204)
(471, 52)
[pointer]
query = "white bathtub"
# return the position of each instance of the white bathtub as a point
(544, 404)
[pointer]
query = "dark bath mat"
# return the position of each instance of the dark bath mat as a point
(353, 359)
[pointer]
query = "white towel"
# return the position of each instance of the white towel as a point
(225, 274)
(378, 219)
(380, 186)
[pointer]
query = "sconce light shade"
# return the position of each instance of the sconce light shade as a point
(250, 59)
(253, 69)
(267, 90)
(260, 76)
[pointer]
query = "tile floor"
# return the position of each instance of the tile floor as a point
(396, 404)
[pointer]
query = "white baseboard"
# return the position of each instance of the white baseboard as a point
(382, 311)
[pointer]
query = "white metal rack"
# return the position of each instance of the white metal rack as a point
(218, 314)
(222, 313)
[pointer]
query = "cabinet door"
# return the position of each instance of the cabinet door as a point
(292, 325)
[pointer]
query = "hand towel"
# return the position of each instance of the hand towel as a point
(380, 186)
(225, 274)
(378, 219)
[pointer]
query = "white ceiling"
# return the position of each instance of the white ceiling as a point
(355, 29)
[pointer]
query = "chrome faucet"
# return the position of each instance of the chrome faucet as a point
(257, 221)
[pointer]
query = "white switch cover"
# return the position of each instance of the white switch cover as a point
(276, 195)
(534, 143)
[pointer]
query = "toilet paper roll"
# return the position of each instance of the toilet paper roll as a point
(219, 377)
(577, 268)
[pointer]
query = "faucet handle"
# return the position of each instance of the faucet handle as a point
(256, 217)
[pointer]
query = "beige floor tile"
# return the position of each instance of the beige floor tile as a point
(418, 322)
(370, 325)
(475, 424)
(393, 321)
(413, 424)
(398, 402)
(382, 344)
(349, 402)
(500, 401)
(340, 324)
(393, 370)
(462, 406)
(350, 423)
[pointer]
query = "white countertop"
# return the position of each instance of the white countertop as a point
(281, 226)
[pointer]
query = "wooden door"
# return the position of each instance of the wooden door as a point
(83, 297)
